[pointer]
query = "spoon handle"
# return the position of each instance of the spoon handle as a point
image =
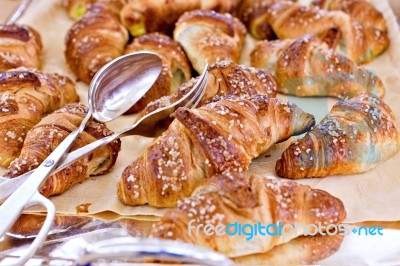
(18, 12)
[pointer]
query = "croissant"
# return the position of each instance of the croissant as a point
(237, 200)
(25, 96)
(176, 67)
(29, 225)
(42, 139)
(224, 78)
(366, 15)
(144, 16)
(221, 136)
(355, 137)
(343, 33)
(94, 40)
(303, 250)
(252, 14)
(208, 36)
(307, 67)
(20, 46)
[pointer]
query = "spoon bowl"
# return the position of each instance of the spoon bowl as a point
(121, 83)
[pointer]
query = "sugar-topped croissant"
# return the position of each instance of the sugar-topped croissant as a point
(224, 78)
(146, 16)
(355, 137)
(42, 139)
(233, 199)
(176, 67)
(208, 36)
(308, 67)
(20, 46)
(355, 38)
(94, 40)
(222, 136)
(253, 14)
(366, 14)
(25, 97)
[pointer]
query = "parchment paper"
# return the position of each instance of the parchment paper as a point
(370, 196)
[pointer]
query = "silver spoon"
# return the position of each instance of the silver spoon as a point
(120, 84)
(116, 86)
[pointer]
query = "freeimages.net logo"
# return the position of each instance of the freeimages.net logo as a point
(279, 229)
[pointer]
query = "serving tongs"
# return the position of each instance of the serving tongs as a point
(27, 193)
(129, 74)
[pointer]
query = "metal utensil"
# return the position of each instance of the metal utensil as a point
(115, 247)
(116, 87)
(18, 12)
(191, 99)
(139, 249)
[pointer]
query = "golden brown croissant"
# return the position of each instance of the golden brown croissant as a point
(20, 46)
(232, 200)
(224, 78)
(25, 96)
(343, 33)
(176, 67)
(355, 137)
(208, 36)
(94, 40)
(29, 225)
(307, 67)
(42, 139)
(146, 16)
(371, 19)
(221, 136)
(303, 250)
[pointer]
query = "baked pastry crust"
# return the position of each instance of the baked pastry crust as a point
(20, 46)
(353, 138)
(224, 78)
(233, 198)
(308, 67)
(96, 39)
(219, 137)
(303, 250)
(344, 26)
(25, 97)
(208, 36)
(147, 16)
(43, 138)
(176, 68)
